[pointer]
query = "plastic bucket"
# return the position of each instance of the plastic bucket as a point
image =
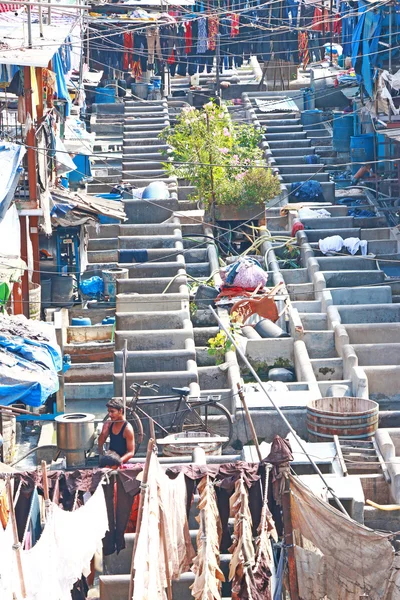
(140, 90)
(311, 117)
(350, 418)
(110, 277)
(62, 288)
(104, 95)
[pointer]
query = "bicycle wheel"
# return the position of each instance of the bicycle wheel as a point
(211, 417)
(133, 418)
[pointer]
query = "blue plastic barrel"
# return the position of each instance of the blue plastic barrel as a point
(104, 95)
(361, 150)
(109, 220)
(311, 117)
(343, 129)
(156, 190)
(83, 169)
(81, 321)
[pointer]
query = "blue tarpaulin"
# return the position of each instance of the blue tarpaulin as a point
(11, 156)
(365, 44)
(29, 362)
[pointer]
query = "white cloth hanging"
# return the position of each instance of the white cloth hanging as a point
(61, 555)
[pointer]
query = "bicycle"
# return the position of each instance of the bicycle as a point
(187, 415)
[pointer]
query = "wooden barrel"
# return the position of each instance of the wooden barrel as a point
(351, 418)
(9, 437)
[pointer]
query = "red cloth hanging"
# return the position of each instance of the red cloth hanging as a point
(128, 56)
(234, 25)
(320, 20)
(188, 37)
(337, 25)
(213, 28)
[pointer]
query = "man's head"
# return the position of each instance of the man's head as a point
(115, 409)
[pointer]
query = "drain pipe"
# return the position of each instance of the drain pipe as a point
(280, 413)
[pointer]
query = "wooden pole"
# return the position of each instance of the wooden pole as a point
(17, 544)
(45, 481)
(250, 420)
(124, 359)
(150, 447)
(288, 537)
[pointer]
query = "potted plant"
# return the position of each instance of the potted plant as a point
(222, 160)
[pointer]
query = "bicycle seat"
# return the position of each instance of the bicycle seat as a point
(185, 391)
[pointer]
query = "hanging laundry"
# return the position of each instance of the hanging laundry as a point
(242, 549)
(304, 54)
(128, 45)
(208, 575)
(202, 37)
(213, 27)
(64, 551)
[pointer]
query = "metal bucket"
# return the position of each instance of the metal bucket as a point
(62, 290)
(110, 277)
(75, 436)
(349, 418)
(34, 301)
(9, 428)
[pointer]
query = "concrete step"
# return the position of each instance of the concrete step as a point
(155, 360)
(136, 125)
(151, 285)
(275, 116)
(198, 269)
(152, 302)
(152, 321)
(302, 168)
(285, 129)
(129, 154)
(167, 339)
(327, 369)
(295, 161)
(289, 144)
(134, 134)
(322, 177)
(287, 136)
(278, 122)
(278, 151)
(87, 372)
(155, 269)
(130, 174)
(166, 380)
(89, 390)
(320, 344)
(143, 165)
(126, 242)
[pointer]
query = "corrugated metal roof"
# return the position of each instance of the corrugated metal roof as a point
(393, 133)
(280, 104)
(15, 49)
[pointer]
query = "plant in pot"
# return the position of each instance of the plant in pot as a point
(221, 159)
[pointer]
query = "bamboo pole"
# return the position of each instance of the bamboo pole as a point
(124, 360)
(17, 544)
(143, 486)
(250, 420)
(289, 543)
(45, 480)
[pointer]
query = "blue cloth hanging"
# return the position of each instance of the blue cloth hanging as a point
(365, 41)
(62, 90)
